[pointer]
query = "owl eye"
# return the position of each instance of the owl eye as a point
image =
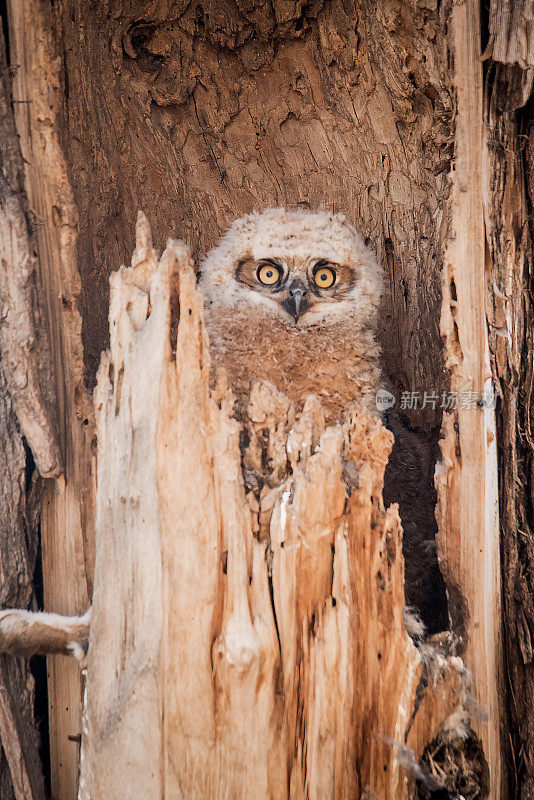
(324, 277)
(268, 274)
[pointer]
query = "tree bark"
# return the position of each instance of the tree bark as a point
(200, 113)
(24, 416)
(66, 521)
(509, 193)
(20, 767)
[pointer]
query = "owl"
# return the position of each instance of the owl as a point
(292, 297)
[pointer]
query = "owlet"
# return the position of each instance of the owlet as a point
(292, 297)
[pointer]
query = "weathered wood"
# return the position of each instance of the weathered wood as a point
(24, 367)
(343, 106)
(25, 776)
(508, 196)
(466, 479)
(24, 354)
(201, 114)
(67, 518)
(511, 32)
(235, 664)
(20, 767)
(17, 334)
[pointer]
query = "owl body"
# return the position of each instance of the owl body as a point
(291, 297)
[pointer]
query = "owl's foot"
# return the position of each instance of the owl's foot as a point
(26, 633)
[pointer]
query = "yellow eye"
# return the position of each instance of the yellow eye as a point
(324, 278)
(268, 274)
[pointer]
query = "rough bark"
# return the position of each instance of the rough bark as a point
(67, 503)
(24, 348)
(278, 667)
(20, 767)
(509, 196)
(511, 33)
(24, 414)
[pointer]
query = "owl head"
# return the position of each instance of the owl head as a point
(305, 268)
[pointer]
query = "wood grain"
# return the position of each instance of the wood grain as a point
(237, 665)
(508, 194)
(466, 479)
(24, 413)
(511, 33)
(67, 513)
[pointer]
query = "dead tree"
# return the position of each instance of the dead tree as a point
(242, 646)
(200, 113)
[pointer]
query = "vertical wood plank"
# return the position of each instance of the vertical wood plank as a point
(466, 480)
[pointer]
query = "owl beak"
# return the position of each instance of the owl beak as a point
(297, 301)
(296, 304)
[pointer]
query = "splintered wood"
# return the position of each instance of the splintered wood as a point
(466, 479)
(247, 637)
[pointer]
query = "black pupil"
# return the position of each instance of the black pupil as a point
(269, 273)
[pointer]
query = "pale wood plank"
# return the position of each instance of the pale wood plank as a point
(466, 480)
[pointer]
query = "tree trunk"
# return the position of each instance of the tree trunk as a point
(197, 114)
(279, 666)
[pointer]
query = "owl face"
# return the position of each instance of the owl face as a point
(298, 286)
(304, 268)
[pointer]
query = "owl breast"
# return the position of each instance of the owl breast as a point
(333, 360)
